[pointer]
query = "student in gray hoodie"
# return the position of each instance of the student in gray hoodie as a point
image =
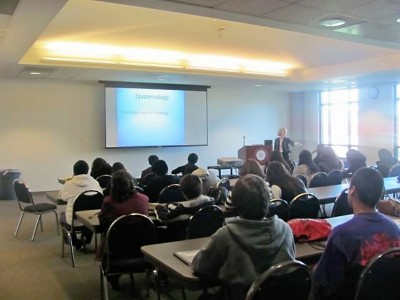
(243, 249)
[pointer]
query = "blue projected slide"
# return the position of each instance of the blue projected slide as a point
(150, 117)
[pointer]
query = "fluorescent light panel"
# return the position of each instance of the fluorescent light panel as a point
(66, 52)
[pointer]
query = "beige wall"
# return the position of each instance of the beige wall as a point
(47, 125)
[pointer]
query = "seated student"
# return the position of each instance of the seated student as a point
(191, 187)
(208, 178)
(329, 161)
(351, 245)
(158, 180)
(306, 166)
(189, 167)
(386, 162)
(277, 156)
(100, 167)
(280, 179)
(240, 251)
(79, 183)
(250, 166)
(356, 160)
(117, 166)
(123, 200)
(152, 159)
(318, 151)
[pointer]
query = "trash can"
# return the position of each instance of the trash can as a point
(7, 177)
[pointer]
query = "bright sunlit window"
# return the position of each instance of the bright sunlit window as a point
(339, 120)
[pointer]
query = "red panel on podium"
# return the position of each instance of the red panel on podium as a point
(260, 153)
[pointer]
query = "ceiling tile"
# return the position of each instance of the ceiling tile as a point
(373, 31)
(339, 6)
(253, 8)
(375, 9)
(297, 14)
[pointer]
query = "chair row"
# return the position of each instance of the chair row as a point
(293, 280)
(306, 205)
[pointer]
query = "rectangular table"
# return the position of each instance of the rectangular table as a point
(54, 197)
(328, 194)
(89, 218)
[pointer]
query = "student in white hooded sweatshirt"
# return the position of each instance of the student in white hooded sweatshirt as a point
(80, 182)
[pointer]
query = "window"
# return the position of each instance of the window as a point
(339, 120)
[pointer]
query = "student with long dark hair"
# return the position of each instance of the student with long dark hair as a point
(277, 156)
(123, 200)
(290, 185)
(306, 166)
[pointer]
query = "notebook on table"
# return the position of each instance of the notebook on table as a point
(186, 256)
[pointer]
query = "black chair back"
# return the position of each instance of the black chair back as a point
(23, 193)
(341, 206)
(219, 194)
(225, 183)
(394, 171)
(87, 200)
(284, 281)
(205, 222)
(319, 179)
(139, 189)
(380, 278)
(305, 205)
(104, 180)
(171, 193)
(302, 178)
(124, 238)
(278, 207)
(335, 177)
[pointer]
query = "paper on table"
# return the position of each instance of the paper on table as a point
(186, 256)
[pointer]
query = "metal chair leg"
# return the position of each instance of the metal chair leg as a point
(57, 224)
(101, 284)
(19, 223)
(62, 244)
(41, 223)
(132, 279)
(71, 248)
(157, 283)
(36, 226)
(105, 285)
(183, 293)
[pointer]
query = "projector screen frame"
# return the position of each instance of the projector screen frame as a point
(155, 86)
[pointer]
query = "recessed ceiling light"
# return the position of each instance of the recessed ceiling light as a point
(398, 20)
(34, 73)
(334, 22)
(258, 85)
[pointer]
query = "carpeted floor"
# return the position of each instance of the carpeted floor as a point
(35, 270)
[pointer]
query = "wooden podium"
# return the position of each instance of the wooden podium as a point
(260, 153)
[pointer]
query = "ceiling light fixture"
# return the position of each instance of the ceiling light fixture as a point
(398, 20)
(333, 22)
(75, 60)
(158, 58)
